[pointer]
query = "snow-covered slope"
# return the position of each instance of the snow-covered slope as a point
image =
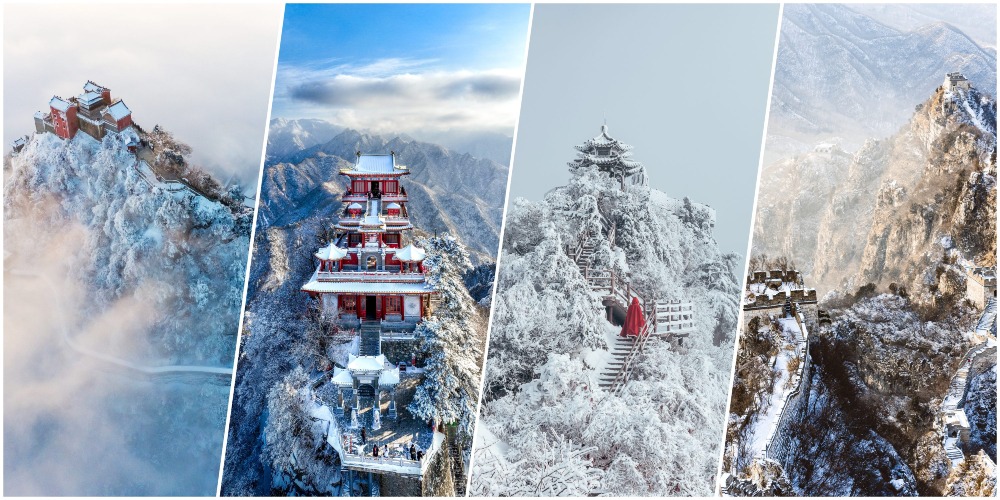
(547, 427)
(140, 275)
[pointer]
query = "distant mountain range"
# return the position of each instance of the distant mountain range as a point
(286, 137)
(844, 76)
(449, 192)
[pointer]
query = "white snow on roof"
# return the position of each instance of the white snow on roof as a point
(331, 252)
(92, 87)
(58, 104)
(41, 115)
(392, 206)
(354, 206)
(389, 377)
(355, 287)
(366, 363)
(410, 253)
(18, 142)
(342, 377)
(118, 110)
(89, 97)
(376, 164)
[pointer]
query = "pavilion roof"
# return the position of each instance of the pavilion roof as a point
(331, 252)
(410, 253)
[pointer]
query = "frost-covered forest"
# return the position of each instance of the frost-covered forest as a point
(546, 428)
(147, 277)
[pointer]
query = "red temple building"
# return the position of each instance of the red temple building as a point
(92, 112)
(366, 275)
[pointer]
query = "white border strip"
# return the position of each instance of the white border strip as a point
(253, 234)
(503, 226)
(746, 266)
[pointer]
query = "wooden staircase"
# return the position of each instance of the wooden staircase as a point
(614, 289)
(619, 356)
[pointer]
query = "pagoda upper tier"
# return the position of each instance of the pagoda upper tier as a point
(609, 155)
(374, 201)
(374, 176)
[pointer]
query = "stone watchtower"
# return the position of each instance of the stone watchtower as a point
(956, 80)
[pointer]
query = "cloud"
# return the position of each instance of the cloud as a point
(400, 95)
(349, 90)
(74, 425)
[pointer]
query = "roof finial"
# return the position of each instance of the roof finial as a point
(604, 127)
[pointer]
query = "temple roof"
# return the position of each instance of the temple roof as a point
(89, 98)
(342, 377)
(366, 363)
(90, 86)
(381, 164)
(604, 140)
(118, 110)
(59, 104)
(331, 252)
(362, 287)
(410, 253)
(615, 159)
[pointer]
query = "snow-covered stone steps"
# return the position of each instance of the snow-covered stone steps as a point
(953, 453)
(620, 349)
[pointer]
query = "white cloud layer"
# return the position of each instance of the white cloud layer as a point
(396, 95)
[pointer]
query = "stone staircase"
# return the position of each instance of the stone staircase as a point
(457, 464)
(457, 468)
(371, 339)
(953, 452)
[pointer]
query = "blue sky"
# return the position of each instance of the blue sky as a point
(400, 68)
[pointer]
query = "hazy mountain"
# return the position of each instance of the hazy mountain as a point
(886, 213)
(978, 20)
(288, 140)
(489, 145)
(448, 191)
(286, 136)
(841, 74)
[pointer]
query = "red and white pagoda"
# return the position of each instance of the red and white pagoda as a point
(366, 275)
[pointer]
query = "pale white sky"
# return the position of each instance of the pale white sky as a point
(201, 71)
(686, 85)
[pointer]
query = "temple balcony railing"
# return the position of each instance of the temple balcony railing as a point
(393, 464)
(385, 197)
(371, 276)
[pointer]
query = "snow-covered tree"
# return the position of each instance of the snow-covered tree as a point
(451, 339)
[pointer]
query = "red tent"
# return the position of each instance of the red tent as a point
(634, 321)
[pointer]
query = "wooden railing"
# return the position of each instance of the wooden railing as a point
(619, 289)
(640, 343)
